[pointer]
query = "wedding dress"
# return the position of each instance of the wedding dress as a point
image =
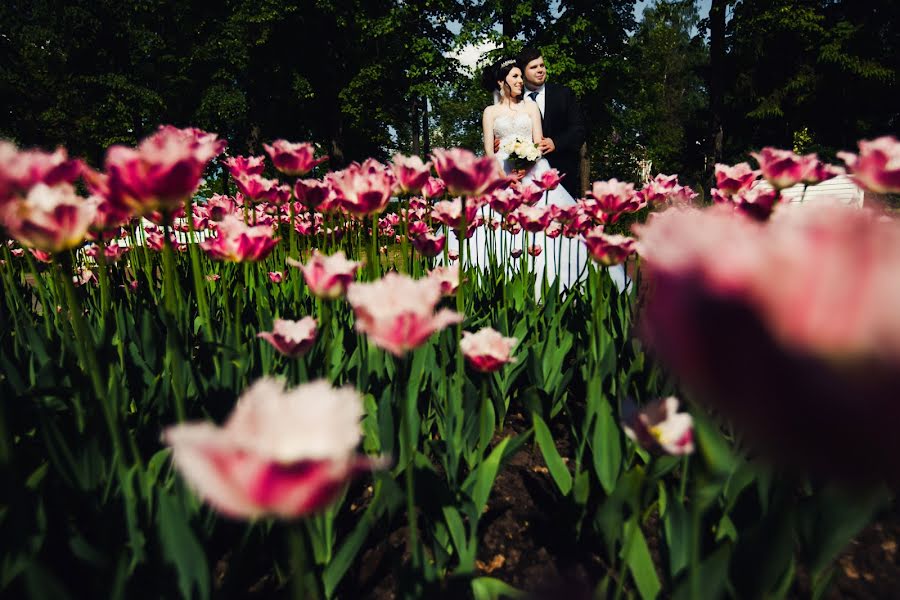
(561, 258)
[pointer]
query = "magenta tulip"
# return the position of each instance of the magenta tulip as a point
(294, 160)
(327, 276)
(877, 166)
(48, 218)
(487, 350)
(291, 338)
(281, 453)
(466, 174)
(410, 173)
(238, 242)
(659, 426)
(398, 313)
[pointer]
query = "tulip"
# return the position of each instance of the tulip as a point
(276, 276)
(434, 188)
(535, 250)
(327, 276)
(788, 327)
(659, 188)
(281, 453)
(363, 189)
(465, 174)
(429, 244)
(294, 160)
(410, 173)
(291, 338)
(530, 192)
(83, 276)
(533, 218)
(505, 200)
(731, 180)
(449, 212)
(398, 313)
(258, 188)
(163, 171)
(39, 255)
(240, 166)
(238, 242)
(660, 427)
(783, 168)
(488, 350)
(550, 180)
(877, 167)
(312, 192)
(51, 219)
(516, 252)
(447, 278)
(607, 249)
(20, 170)
(213, 277)
(756, 202)
(612, 199)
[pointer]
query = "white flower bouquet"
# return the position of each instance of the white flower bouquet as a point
(523, 153)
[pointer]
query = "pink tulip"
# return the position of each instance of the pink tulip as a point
(213, 277)
(417, 228)
(218, 206)
(429, 244)
(612, 199)
(276, 276)
(790, 327)
(553, 231)
(240, 166)
(877, 167)
(447, 277)
(434, 188)
(658, 189)
(465, 174)
(411, 173)
(52, 219)
(327, 276)
(550, 180)
(529, 192)
(39, 255)
(535, 250)
(83, 276)
(449, 212)
(238, 242)
(258, 188)
(312, 192)
(505, 200)
(294, 160)
(398, 313)
(533, 218)
(291, 338)
(453, 255)
(487, 350)
(163, 171)
(659, 426)
(281, 453)
(516, 252)
(607, 249)
(731, 180)
(20, 170)
(756, 202)
(363, 189)
(783, 168)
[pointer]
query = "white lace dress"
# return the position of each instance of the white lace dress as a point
(560, 258)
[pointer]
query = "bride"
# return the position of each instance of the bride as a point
(509, 118)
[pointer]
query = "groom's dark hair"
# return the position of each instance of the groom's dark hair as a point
(527, 55)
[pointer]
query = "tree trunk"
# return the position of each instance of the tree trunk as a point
(584, 170)
(416, 145)
(716, 84)
(426, 137)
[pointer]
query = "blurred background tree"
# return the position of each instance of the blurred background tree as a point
(680, 84)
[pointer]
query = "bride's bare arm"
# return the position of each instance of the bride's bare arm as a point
(487, 125)
(534, 112)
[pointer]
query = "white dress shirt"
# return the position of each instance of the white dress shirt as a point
(540, 99)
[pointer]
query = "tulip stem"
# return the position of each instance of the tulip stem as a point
(304, 581)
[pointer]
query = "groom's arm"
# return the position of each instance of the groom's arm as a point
(569, 139)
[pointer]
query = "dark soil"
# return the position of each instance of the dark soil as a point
(527, 542)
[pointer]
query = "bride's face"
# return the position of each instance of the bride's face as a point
(514, 81)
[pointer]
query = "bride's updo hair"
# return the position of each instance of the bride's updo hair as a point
(497, 72)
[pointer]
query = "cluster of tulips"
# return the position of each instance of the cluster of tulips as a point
(784, 317)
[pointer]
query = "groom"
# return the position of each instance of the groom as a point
(560, 119)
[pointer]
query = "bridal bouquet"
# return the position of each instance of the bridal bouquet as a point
(523, 153)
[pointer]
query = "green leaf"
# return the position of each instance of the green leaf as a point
(636, 555)
(606, 444)
(488, 588)
(677, 529)
(485, 475)
(181, 548)
(555, 464)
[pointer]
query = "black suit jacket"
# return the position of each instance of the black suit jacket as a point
(562, 122)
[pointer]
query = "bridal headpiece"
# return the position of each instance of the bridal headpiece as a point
(507, 62)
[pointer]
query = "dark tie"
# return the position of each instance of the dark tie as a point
(533, 96)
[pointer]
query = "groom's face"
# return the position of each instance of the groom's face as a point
(536, 72)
